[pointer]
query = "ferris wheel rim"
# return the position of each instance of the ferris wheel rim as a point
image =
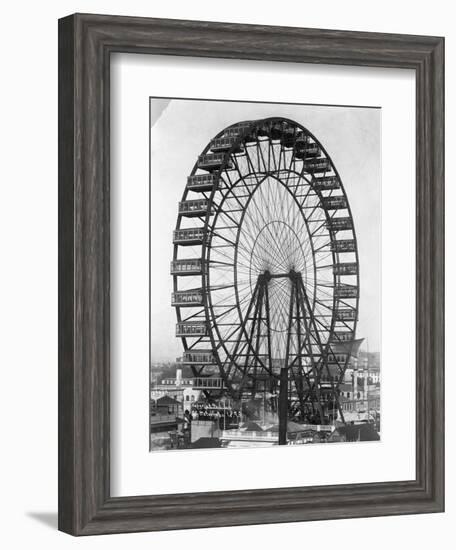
(255, 124)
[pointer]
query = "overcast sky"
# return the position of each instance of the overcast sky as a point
(180, 129)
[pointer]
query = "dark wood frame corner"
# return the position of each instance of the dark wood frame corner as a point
(85, 45)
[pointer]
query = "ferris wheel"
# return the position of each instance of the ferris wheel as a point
(265, 270)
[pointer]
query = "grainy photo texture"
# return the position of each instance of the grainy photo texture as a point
(265, 279)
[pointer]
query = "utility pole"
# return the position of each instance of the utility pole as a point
(283, 406)
(367, 378)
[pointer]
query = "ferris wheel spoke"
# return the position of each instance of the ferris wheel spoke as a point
(252, 168)
(259, 147)
(231, 285)
(267, 248)
(231, 261)
(241, 181)
(323, 246)
(199, 313)
(309, 192)
(239, 171)
(324, 258)
(273, 156)
(259, 215)
(236, 197)
(218, 236)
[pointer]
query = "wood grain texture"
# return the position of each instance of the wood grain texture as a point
(85, 45)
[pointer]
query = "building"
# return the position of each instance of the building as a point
(167, 406)
(178, 388)
(165, 415)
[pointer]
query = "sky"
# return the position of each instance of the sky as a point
(180, 130)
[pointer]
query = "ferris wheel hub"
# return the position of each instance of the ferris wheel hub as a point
(292, 274)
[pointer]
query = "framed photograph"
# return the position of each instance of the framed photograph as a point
(264, 280)
(251, 274)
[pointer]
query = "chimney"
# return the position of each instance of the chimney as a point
(178, 376)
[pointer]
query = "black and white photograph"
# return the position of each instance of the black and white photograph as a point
(265, 290)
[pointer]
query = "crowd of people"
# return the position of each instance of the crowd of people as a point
(226, 417)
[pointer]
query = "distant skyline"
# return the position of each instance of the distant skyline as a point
(180, 129)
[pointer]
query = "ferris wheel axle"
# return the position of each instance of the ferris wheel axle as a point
(292, 274)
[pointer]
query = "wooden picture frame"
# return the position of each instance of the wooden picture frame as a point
(85, 45)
